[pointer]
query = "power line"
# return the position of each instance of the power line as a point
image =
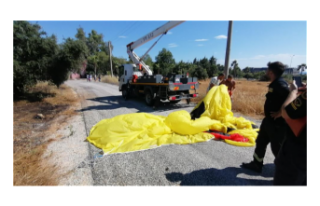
(123, 31)
(111, 39)
(141, 22)
(137, 24)
(130, 29)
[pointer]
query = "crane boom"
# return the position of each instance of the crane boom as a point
(155, 33)
(158, 31)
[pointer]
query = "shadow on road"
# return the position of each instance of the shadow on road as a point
(115, 102)
(227, 176)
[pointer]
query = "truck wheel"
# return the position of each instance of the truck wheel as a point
(149, 98)
(136, 92)
(125, 93)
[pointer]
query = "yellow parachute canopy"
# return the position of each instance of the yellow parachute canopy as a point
(141, 131)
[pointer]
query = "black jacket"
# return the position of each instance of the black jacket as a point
(295, 110)
(277, 94)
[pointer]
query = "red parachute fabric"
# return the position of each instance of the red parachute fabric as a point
(232, 137)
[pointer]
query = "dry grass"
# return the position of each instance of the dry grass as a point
(30, 135)
(202, 90)
(110, 80)
(248, 97)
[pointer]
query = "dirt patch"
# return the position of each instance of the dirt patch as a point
(32, 135)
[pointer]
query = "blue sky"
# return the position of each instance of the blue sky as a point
(254, 43)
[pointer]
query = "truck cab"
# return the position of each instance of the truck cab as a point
(126, 72)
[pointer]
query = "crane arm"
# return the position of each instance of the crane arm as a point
(155, 33)
(158, 31)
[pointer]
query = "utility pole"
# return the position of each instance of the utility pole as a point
(109, 44)
(291, 60)
(226, 64)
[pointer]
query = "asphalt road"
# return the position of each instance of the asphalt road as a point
(207, 163)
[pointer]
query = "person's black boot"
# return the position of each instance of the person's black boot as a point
(253, 165)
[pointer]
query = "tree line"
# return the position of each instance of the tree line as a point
(38, 57)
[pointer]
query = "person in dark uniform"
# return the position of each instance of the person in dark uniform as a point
(291, 162)
(272, 129)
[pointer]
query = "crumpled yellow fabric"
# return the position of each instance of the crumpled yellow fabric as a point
(141, 131)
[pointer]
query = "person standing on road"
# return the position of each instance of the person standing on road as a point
(291, 162)
(272, 129)
(215, 81)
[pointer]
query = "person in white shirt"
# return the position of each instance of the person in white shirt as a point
(215, 81)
